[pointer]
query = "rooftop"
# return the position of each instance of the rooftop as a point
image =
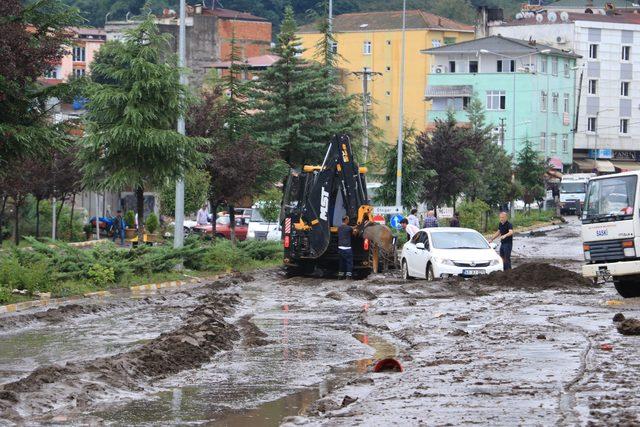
(390, 20)
(597, 4)
(499, 44)
(623, 18)
(261, 61)
(231, 14)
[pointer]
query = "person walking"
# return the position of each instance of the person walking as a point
(413, 218)
(118, 227)
(202, 218)
(455, 221)
(430, 220)
(409, 228)
(345, 231)
(505, 232)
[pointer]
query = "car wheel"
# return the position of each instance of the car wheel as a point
(405, 270)
(628, 287)
(429, 273)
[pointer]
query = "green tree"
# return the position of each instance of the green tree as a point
(491, 180)
(196, 186)
(530, 172)
(413, 175)
(269, 204)
(131, 141)
(299, 105)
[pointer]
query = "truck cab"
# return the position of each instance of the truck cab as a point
(573, 189)
(611, 231)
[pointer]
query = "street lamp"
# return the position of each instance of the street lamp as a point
(178, 232)
(400, 130)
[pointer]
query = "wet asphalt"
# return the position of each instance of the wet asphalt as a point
(471, 354)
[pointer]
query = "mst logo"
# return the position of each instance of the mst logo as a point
(602, 232)
(324, 204)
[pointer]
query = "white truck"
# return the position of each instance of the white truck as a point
(611, 231)
(572, 192)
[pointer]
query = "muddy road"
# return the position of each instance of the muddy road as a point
(536, 347)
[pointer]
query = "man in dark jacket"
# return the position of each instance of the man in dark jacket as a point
(345, 231)
(118, 227)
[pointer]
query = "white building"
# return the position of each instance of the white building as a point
(607, 80)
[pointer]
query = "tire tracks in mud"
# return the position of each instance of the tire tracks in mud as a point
(79, 385)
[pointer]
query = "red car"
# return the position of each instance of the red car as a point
(223, 230)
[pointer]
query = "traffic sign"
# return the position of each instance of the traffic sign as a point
(387, 210)
(395, 221)
(445, 212)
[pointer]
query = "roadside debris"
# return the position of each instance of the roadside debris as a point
(388, 365)
(618, 317)
(535, 275)
(334, 295)
(629, 327)
(606, 347)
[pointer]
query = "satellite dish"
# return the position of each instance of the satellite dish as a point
(539, 18)
(519, 15)
(564, 16)
(552, 17)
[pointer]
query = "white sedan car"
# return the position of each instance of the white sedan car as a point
(439, 252)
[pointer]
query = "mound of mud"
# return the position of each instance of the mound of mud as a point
(203, 333)
(53, 315)
(535, 275)
(629, 327)
(252, 336)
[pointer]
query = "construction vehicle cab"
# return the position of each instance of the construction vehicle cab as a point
(315, 200)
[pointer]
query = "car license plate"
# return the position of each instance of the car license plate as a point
(474, 272)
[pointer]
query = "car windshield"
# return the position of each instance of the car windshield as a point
(572, 187)
(223, 220)
(610, 198)
(458, 240)
(255, 216)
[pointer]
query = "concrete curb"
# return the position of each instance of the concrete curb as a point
(12, 308)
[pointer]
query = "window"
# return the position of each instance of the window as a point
(593, 51)
(593, 87)
(554, 102)
(565, 103)
(543, 141)
(567, 69)
(388, 118)
(512, 65)
(435, 43)
(506, 66)
(554, 142)
(496, 100)
(626, 53)
(624, 89)
(78, 54)
(554, 65)
(389, 43)
(449, 40)
(499, 65)
(452, 66)
(388, 68)
(78, 72)
(388, 93)
(366, 48)
(591, 124)
(565, 143)
(51, 74)
(624, 126)
(543, 101)
(465, 102)
(473, 66)
(543, 65)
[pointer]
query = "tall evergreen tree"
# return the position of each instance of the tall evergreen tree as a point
(131, 141)
(530, 172)
(300, 106)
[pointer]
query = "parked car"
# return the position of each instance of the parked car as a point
(223, 229)
(260, 229)
(434, 253)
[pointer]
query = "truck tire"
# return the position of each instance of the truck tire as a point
(628, 287)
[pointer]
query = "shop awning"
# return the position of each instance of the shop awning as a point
(556, 163)
(585, 165)
(626, 166)
(602, 166)
(448, 91)
(605, 166)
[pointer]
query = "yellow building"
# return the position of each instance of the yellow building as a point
(372, 41)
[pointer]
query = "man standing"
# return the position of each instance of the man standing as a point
(413, 219)
(202, 217)
(345, 231)
(409, 228)
(505, 232)
(118, 227)
(455, 221)
(430, 220)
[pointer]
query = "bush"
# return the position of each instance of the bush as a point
(32, 276)
(261, 249)
(152, 223)
(5, 294)
(473, 214)
(100, 276)
(130, 219)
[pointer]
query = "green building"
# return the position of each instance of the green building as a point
(527, 89)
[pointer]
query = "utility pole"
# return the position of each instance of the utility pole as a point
(365, 75)
(178, 240)
(330, 16)
(400, 124)
(502, 119)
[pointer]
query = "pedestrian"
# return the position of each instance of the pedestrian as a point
(345, 231)
(202, 218)
(455, 221)
(118, 227)
(505, 232)
(413, 219)
(430, 220)
(409, 228)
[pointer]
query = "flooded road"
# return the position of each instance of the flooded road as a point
(301, 350)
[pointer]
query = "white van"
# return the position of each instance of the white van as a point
(259, 229)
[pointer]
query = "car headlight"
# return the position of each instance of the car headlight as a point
(494, 262)
(587, 255)
(629, 252)
(442, 261)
